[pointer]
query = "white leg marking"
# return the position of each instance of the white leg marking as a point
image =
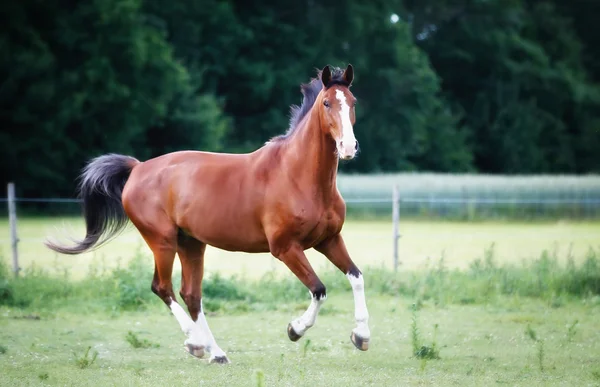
(212, 347)
(308, 319)
(194, 335)
(348, 149)
(361, 314)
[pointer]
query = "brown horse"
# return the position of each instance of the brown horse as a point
(282, 199)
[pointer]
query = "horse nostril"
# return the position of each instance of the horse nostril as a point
(342, 144)
(356, 146)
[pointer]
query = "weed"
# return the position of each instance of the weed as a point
(3, 349)
(572, 330)
(260, 378)
(138, 370)
(540, 353)
(421, 351)
(136, 342)
(85, 361)
(531, 333)
(43, 376)
(414, 331)
(305, 347)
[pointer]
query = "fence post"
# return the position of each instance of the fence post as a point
(12, 219)
(396, 224)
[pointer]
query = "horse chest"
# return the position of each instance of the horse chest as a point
(320, 227)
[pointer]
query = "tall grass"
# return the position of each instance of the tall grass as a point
(485, 281)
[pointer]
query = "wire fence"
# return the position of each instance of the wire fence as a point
(394, 208)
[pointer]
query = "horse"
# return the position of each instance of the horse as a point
(282, 198)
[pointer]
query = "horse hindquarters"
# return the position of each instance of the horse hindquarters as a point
(147, 212)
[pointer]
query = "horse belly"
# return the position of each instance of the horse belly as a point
(225, 226)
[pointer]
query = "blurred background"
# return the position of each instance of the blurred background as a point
(473, 205)
(485, 114)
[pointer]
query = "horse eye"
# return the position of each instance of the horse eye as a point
(326, 103)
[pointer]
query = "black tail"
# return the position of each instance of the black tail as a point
(100, 188)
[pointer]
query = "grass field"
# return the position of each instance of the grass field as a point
(493, 323)
(479, 346)
(369, 243)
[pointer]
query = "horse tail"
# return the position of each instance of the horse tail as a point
(100, 189)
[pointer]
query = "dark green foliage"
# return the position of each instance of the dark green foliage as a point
(516, 70)
(493, 86)
(88, 78)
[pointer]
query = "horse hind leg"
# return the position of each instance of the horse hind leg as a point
(191, 255)
(163, 243)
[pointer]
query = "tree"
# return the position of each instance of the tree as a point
(403, 122)
(516, 71)
(83, 79)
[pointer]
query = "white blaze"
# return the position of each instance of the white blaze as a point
(347, 144)
(361, 314)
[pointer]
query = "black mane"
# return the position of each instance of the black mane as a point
(310, 91)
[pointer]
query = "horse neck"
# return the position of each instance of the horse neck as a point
(315, 159)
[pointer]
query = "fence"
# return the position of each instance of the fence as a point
(440, 207)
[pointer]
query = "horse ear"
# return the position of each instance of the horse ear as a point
(349, 74)
(326, 75)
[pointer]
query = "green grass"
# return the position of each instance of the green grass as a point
(532, 323)
(369, 243)
(478, 346)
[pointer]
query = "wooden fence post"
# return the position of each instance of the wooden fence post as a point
(396, 224)
(12, 219)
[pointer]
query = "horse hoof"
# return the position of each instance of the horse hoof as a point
(219, 360)
(195, 350)
(359, 342)
(292, 333)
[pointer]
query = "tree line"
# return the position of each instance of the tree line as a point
(496, 86)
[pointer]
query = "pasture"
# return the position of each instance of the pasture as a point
(516, 317)
(369, 242)
(478, 346)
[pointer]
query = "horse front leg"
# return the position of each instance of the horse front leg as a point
(335, 250)
(294, 258)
